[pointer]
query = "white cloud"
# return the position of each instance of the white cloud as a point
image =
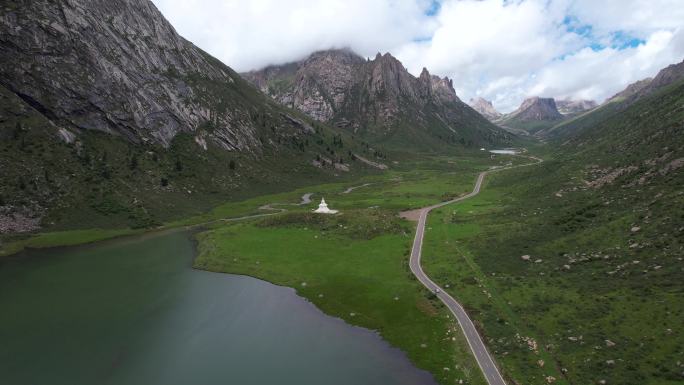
(596, 75)
(248, 34)
(491, 48)
(502, 50)
(639, 17)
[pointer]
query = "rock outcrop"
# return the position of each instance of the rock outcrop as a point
(637, 90)
(534, 115)
(106, 113)
(631, 90)
(377, 98)
(119, 67)
(537, 109)
(665, 77)
(485, 108)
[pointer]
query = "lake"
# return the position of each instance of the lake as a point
(133, 311)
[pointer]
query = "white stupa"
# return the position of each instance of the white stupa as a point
(323, 208)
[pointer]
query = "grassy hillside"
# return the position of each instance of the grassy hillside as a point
(354, 265)
(573, 269)
(532, 127)
(102, 180)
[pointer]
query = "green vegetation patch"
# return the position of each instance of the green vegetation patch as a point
(354, 266)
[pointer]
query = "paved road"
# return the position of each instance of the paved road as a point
(477, 346)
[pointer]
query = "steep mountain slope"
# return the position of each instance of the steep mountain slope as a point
(616, 104)
(631, 90)
(534, 114)
(582, 254)
(485, 108)
(107, 112)
(377, 99)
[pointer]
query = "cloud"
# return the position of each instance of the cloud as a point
(492, 48)
(249, 34)
(503, 50)
(638, 17)
(590, 74)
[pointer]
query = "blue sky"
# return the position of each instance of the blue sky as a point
(501, 50)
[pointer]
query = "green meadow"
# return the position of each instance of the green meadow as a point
(575, 311)
(599, 298)
(354, 265)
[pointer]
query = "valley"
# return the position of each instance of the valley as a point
(160, 219)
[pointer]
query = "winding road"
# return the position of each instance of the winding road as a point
(477, 346)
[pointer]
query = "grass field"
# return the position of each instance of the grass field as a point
(354, 265)
(596, 301)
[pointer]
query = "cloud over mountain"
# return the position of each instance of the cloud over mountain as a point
(501, 50)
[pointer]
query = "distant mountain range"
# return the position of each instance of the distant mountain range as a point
(534, 113)
(107, 115)
(538, 116)
(672, 74)
(378, 100)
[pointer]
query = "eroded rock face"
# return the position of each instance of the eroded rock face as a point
(631, 90)
(485, 108)
(317, 85)
(119, 67)
(667, 76)
(537, 109)
(645, 87)
(340, 87)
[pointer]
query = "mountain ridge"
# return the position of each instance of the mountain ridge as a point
(121, 121)
(378, 99)
(485, 108)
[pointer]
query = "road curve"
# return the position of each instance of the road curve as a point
(477, 346)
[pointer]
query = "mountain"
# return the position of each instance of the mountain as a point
(378, 100)
(533, 115)
(617, 104)
(571, 107)
(485, 108)
(631, 90)
(106, 112)
(537, 109)
(603, 220)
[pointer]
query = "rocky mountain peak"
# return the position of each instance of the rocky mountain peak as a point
(485, 108)
(665, 77)
(119, 67)
(443, 89)
(668, 75)
(644, 87)
(537, 109)
(349, 91)
(631, 90)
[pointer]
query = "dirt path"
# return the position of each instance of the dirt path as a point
(350, 189)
